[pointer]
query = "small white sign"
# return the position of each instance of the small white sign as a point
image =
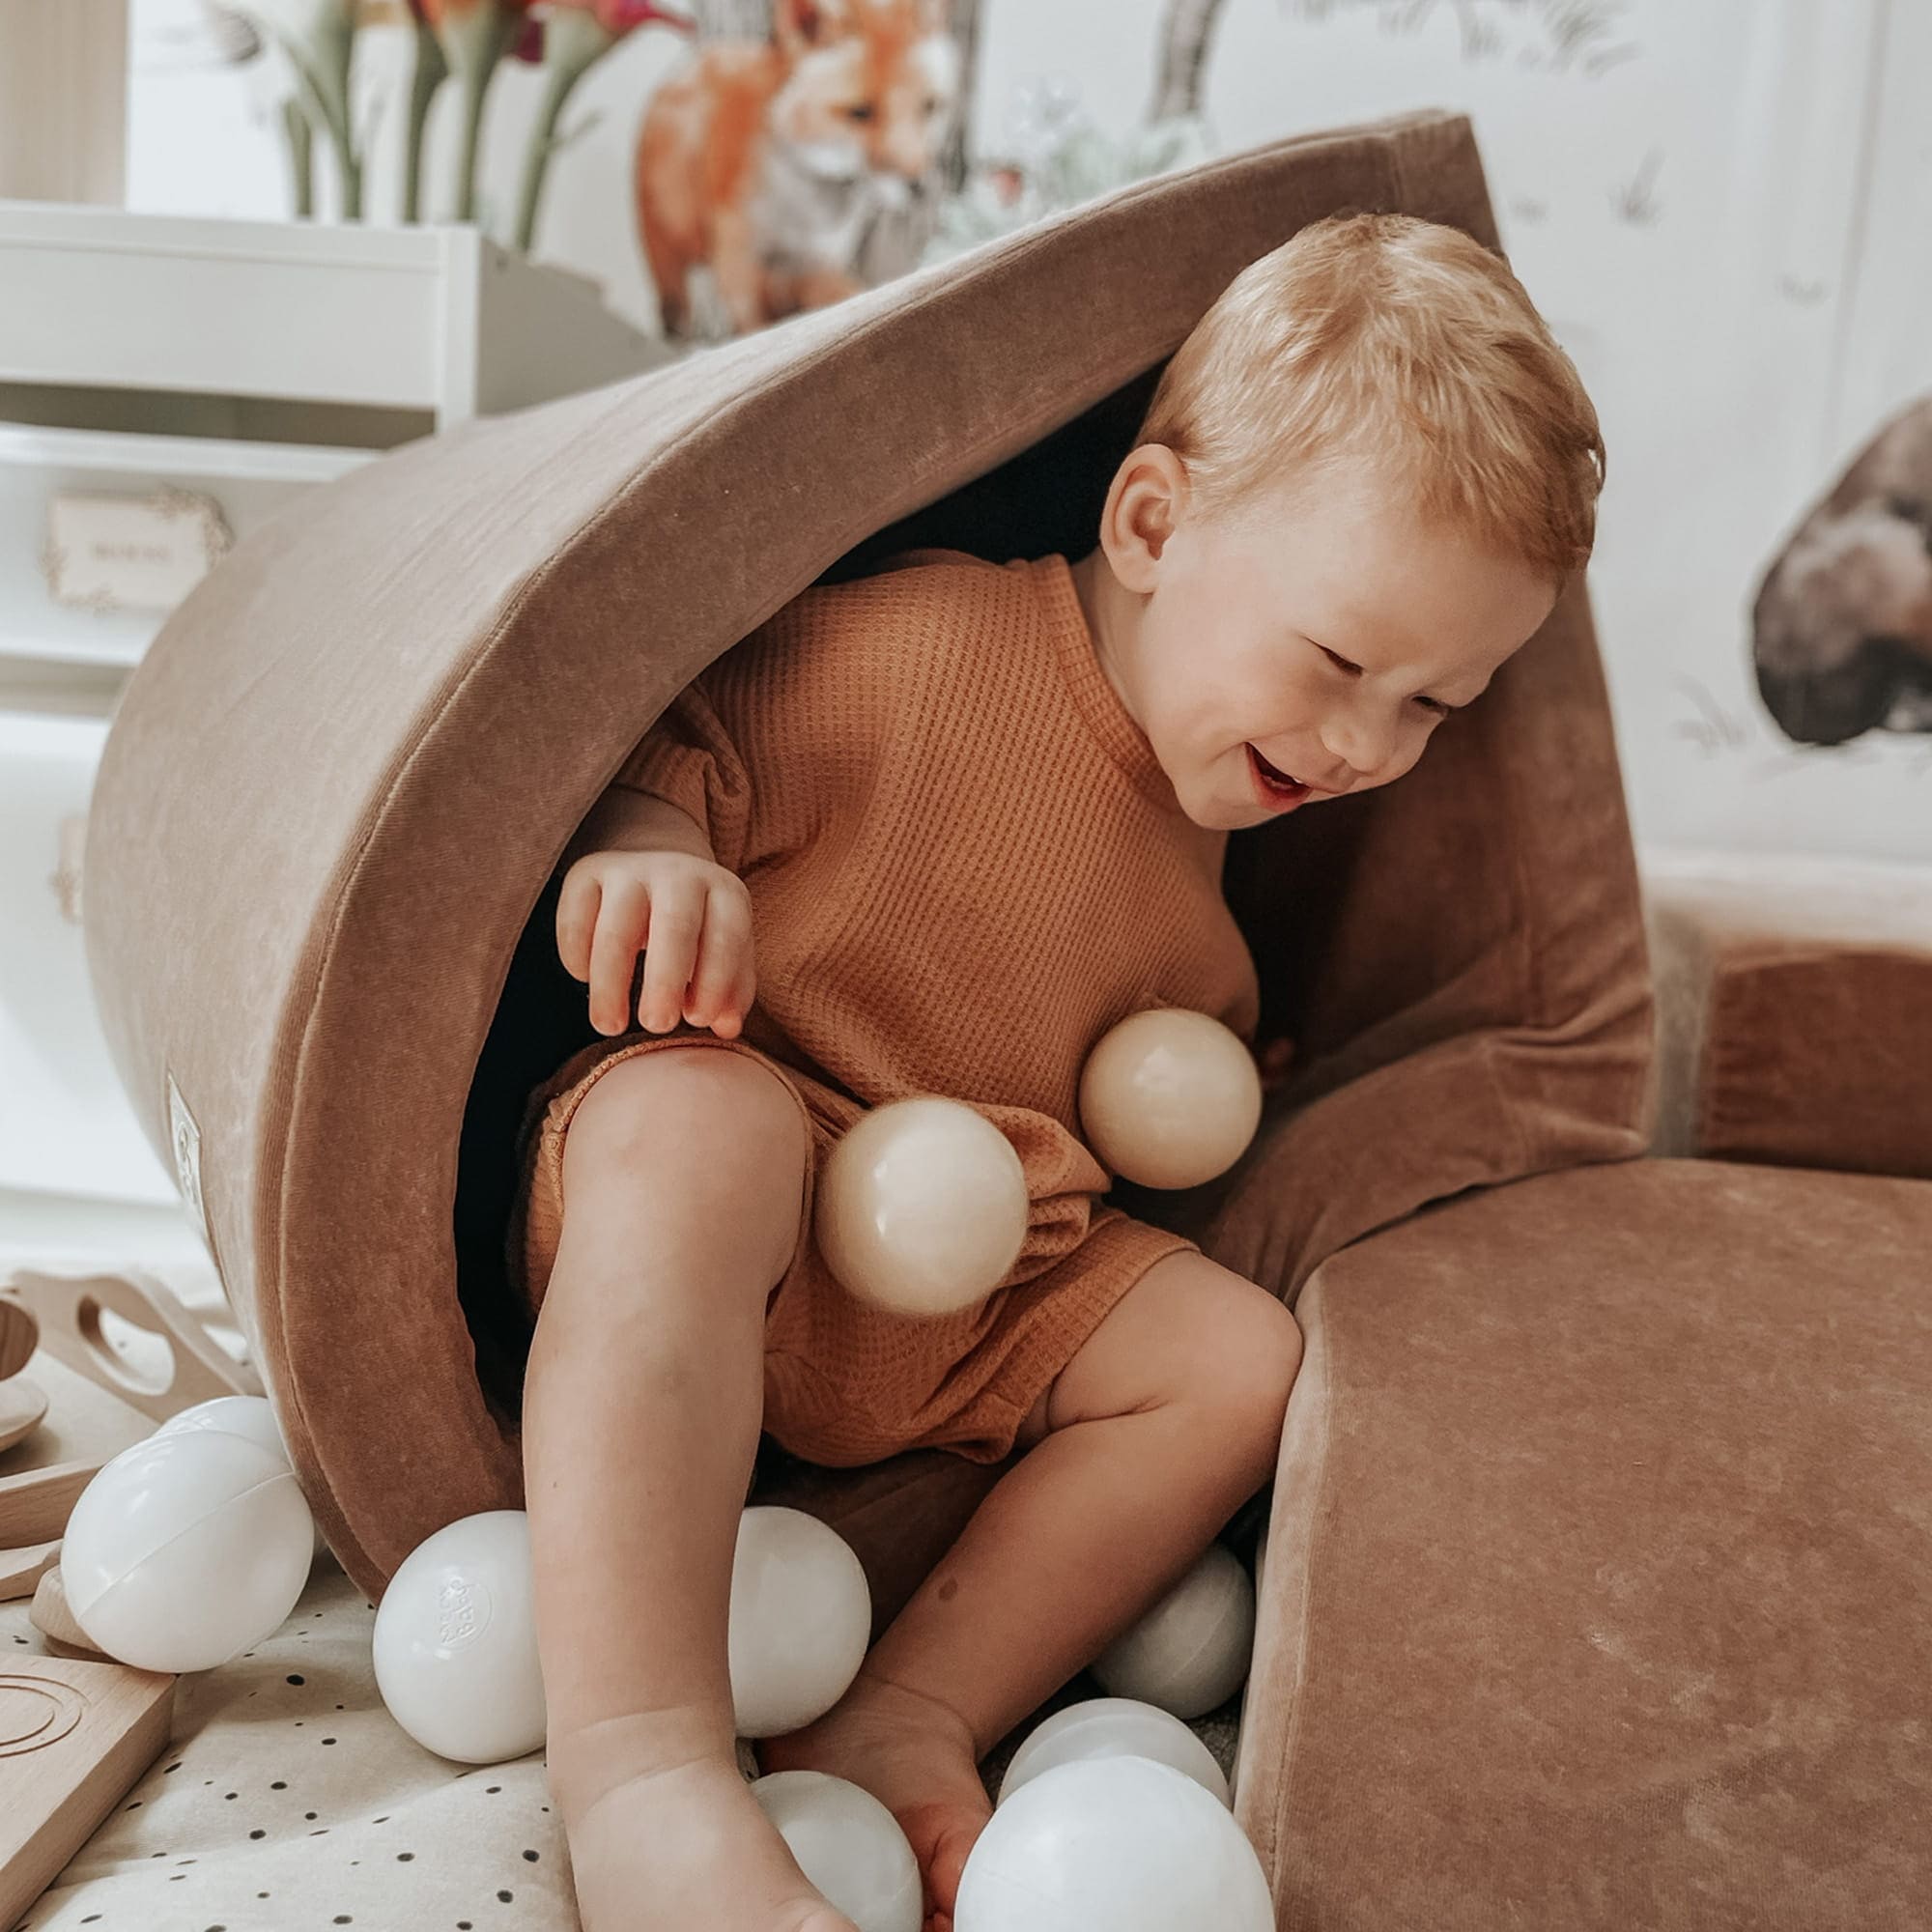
(106, 552)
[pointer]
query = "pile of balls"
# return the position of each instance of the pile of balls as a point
(1112, 1812)
(923, 1205)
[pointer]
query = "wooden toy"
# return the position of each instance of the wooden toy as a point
(74, 1735)
(19, 1337)
(36, 1504)
(69, 1311)
(60, 1630)
(21, 1570)
(22, 1403)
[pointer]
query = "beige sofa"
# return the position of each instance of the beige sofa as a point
(1600, 1522)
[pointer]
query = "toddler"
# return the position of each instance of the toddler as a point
(935, 829)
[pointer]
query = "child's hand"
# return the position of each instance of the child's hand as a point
(691, 919)
(1272, 1060)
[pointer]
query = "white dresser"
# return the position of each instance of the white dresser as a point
(166, 385)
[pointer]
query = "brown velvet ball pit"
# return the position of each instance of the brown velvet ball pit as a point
(1600, 1514)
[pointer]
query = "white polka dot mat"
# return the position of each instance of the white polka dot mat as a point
(289, 1797)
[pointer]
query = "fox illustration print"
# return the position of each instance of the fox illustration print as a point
(769, 161)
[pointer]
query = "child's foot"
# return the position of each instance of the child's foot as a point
(689, 1845)
(916, 1758)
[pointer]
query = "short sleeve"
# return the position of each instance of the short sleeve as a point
(690, 757)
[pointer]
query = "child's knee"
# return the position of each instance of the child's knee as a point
(719, 1131)
(694, 1105)
(1259, 1367)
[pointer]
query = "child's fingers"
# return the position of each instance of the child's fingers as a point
(576, 917)
(671, 950)
(723, 950)
(618, 930)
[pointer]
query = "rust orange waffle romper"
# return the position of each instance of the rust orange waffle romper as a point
(965, 863)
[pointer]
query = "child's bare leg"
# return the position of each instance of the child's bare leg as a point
(642, 1408)
(1157, 1432)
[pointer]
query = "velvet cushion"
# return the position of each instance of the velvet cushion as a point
(1820, 1055)
(1595, 1587)
(321, 849)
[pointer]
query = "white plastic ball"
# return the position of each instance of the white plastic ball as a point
(1170, 1097)
(1113, 1727)
(801, 1620)
(456, 1641)
(922, 1207)
(187, 1549)
(249, 1415)
(1190, 1654)
(848, 1845)
(1121, 1842)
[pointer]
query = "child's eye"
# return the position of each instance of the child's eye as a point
(1435, 704)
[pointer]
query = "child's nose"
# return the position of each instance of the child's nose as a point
(1360, 739)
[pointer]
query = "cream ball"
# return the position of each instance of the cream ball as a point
(801, 1620)
(1113, 1727)
(1170, 1097)
(848, 1845)
(1190, 1654)
(922, 1207)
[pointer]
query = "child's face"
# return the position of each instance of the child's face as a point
(1327, 636)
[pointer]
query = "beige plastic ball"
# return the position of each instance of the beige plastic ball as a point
(1190, 1653)
(1114, 1727)
(922, 1207)
(1170, 1097)
(800, 1621)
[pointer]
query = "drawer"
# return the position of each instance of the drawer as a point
(66, 1126)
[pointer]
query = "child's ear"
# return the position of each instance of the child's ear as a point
(1143, 506)
(798, 24)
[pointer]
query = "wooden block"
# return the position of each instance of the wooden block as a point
(75, 1735)
(36, 1504)
(57, 1625)
(21, 1570)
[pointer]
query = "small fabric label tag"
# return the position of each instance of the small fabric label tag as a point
(185, 1137)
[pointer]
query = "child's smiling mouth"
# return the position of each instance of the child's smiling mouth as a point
(1275, 788)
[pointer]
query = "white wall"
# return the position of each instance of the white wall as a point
(1725, 209)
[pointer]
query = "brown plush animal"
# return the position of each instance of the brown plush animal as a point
(1842, 623)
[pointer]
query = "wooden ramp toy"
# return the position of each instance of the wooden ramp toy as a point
(74, 1735)
(68, 1309)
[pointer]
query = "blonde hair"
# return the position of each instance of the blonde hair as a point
(1405, 342)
